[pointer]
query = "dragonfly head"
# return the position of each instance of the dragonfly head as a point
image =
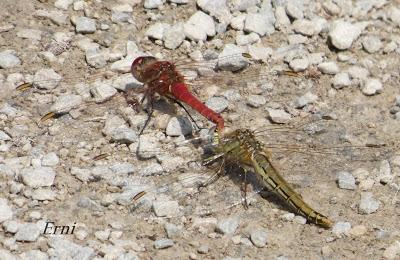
(139, 65)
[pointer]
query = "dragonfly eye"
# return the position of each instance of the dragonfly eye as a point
(139, 65)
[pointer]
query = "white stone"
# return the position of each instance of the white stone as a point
(341, 80)
(50, 159)
(63, 4)
(295, 9)
(85, 25)
(156, 31)
(342, 34)
(306, 99)
(174, 36)
(38, 177)
(151, 4)
(165, 208)
(282, 20)
(346, 180)
(64, 249)
(228, 225)
(278, 115)
(341, 228)
(329, 67)
(237, 22)
(258, 238)
(392, 251)
(199, 26)
(102, 91)
(372, 44)
(305, 27)
(46, 79)
(299, 64)
(8, 59)
(97, 58)
(256, 101)
(231, 58)
(258, 23)
(394, 15)
(216, 8)
(247, 39)
(368, 204)
(28, 233)
(65, 103)
(179, 126)
(30, 34)
(6, 212)
(372, 86)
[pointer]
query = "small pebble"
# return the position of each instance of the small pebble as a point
(199, 26)
(306, 99)
(329, 67)
(346, 180)
(102, 92)
(28, 233)
(203, 249)
(368, 204)
(259, 238)
(85, 25)
(178, 126)
(11, 226)
(299, 64)
(342, 34)
(358, 230)
(174, 36)
(300, 220)
(372, 44)
(228, 225)
(102, 235)
(341, 80)
(278, 116)
(341, 228)
(163, 243)
(257, 22)
(50, 159)
(372, 86)
(38, 177)
(8, 60)
(165, 208)
(172, 230)
(256, 101)
(46, 79)
(218, 104)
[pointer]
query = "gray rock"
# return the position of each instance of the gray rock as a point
(63, 4)
(28, 233)
(282, 20)
(256, 101)
(64, 249)
(56, 16)
(199, 26)
(216, 8)
(31, 34)
(368, 204)
(237, 22)
(42, 194)
(149, 146)
(151, 4)
(231, 58)
(247, 39)
(66, 103)
(8, 59)
(38, 177)
(385, 173)
(346, 180)
(329, 67)
(85, 25)
(228, 225)
(259, 24)
(306, 99)
(372, 86)
(372, 44)
(50, 159)
(124, 135)
(157, 30)
(259, 237)
(305, 27)
(299, 64)
(96, 58)
(46, 79)
(11, 226)
(394, 15)
(341, 228)
(87, 203)
(342, 34)
(4, 136)
(218, 104)
(34, 255)
(341, 80)
(123, 168)
(122, 14)
(81, 174)
(163, 243)
(151, 169)
(172, 230)
(357, 72)
(102, 91)
(295, 9)
(165, 208)
(112, 123)
(6, 212)
(174, 36)
(179, 126)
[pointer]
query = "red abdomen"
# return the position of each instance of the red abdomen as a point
(182, 93)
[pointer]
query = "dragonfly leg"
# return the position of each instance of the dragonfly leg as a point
(244, 190)
(149, 114)
(214, 177)
(187, 112)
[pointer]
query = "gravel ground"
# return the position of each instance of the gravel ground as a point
(78, 54)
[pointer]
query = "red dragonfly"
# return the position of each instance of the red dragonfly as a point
(163, 78)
